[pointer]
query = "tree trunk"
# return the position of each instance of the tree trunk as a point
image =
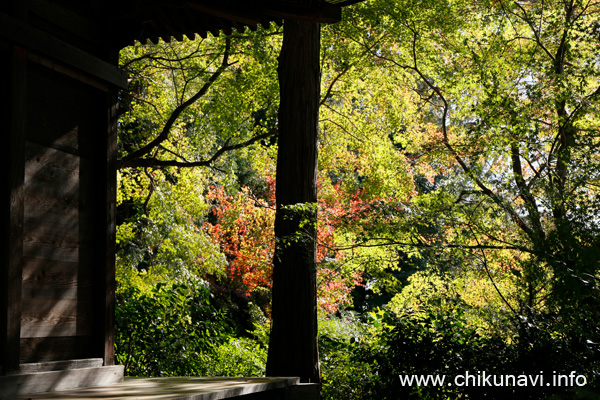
(293, 349)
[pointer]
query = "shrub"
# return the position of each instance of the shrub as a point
(170, 331)
(344, 373)
(440, 342)
(238, 357)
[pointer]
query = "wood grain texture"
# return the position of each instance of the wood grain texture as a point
(66, 53)
(185, 388)
(50, 252)
(108, 251)
(64, 245)
(54, 348)
(54, 381)
(51, 317)
(55, 279)
(28, 368)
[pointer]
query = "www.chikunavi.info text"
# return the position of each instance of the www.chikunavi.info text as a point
(482, 379)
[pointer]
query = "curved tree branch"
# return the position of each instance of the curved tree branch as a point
(155, 162)
(165, 132)
(332, 84)
(446, 141)
(524, 192)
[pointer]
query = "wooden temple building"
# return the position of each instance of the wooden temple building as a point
(60, 81)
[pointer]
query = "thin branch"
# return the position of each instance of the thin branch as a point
(487, 270)
(536, 34)
(341, 127)
(164, 134)
(524, 193)
(152, 57)
(446, 141)
(155, 162)
(172, 152)
(382, 241)
(151, 187)
(332, 84)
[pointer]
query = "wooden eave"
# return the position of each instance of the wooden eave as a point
(143, 20)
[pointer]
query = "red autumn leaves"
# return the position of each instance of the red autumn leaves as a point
(242, 226)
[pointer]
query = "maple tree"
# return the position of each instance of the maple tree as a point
(242, 227)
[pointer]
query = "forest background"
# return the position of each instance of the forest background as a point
(459, 199)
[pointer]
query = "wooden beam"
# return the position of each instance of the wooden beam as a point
(73, 23)
(69, 71)
(40, 42)
(13, 160)
(5, 108)
(185, 388)
(251, 16)
(31, 368)
(110, 221)
(242, 16)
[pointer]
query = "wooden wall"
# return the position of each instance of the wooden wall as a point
(57, 205)
(64, 127)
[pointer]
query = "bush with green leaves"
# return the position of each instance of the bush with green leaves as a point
(238, 357)
(170, 330)
(441, 342)
(344, 373)
(178, 330)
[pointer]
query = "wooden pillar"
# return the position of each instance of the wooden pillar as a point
(293, 347)
(109, 286)
(13, 145)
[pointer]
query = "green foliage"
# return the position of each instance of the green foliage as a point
(177, 330)
(238, 357)
(493, 116)
(441, 342)
(196, 96)
(171, 330)
(438, 343)
(344, 373)
(160, 236)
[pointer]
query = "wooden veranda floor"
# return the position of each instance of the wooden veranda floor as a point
(187, 388)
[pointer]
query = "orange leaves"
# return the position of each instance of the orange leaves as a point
(242, 226)
(333, 289)
(244, 232)
(354, 210)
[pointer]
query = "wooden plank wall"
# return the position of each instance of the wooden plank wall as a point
(60, 235)
(13, 112)
(58, 124)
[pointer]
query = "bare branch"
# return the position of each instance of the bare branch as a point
(524, 193)
(164, 134)
(155, 162)
(332, 84)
